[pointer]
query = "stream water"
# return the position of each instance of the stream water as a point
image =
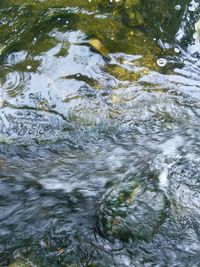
(99, 133)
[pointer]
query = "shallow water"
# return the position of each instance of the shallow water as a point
(99, 146)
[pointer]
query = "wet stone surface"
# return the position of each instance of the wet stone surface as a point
(131, 212)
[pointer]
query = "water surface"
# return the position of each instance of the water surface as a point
(99, 144)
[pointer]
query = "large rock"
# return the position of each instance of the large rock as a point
(131, 211)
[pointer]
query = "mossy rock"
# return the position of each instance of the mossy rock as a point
(98, 46)
(130, 212)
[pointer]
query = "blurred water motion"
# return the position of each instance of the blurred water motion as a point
(99, 133)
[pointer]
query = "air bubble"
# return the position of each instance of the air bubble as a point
(30, 131)
(177, 50)
(41, 131)
(31, 95)
(178, 7)
(161, 62)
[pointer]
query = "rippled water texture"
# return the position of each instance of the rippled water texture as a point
(99, 133)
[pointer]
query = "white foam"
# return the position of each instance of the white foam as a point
(1, 97)
(170, 147)
(163, 179)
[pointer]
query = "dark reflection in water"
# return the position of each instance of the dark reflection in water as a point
(99, 133)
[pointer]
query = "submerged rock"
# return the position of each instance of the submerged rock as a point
(97, 45)
(131, 211)
(20, 263)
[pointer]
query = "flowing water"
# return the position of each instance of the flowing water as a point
(99, 133)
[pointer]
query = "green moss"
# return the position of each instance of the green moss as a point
(131, 211)
(20, 263)
(27, 65)
(122, 74)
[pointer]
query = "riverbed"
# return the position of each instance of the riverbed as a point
(99, 133)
